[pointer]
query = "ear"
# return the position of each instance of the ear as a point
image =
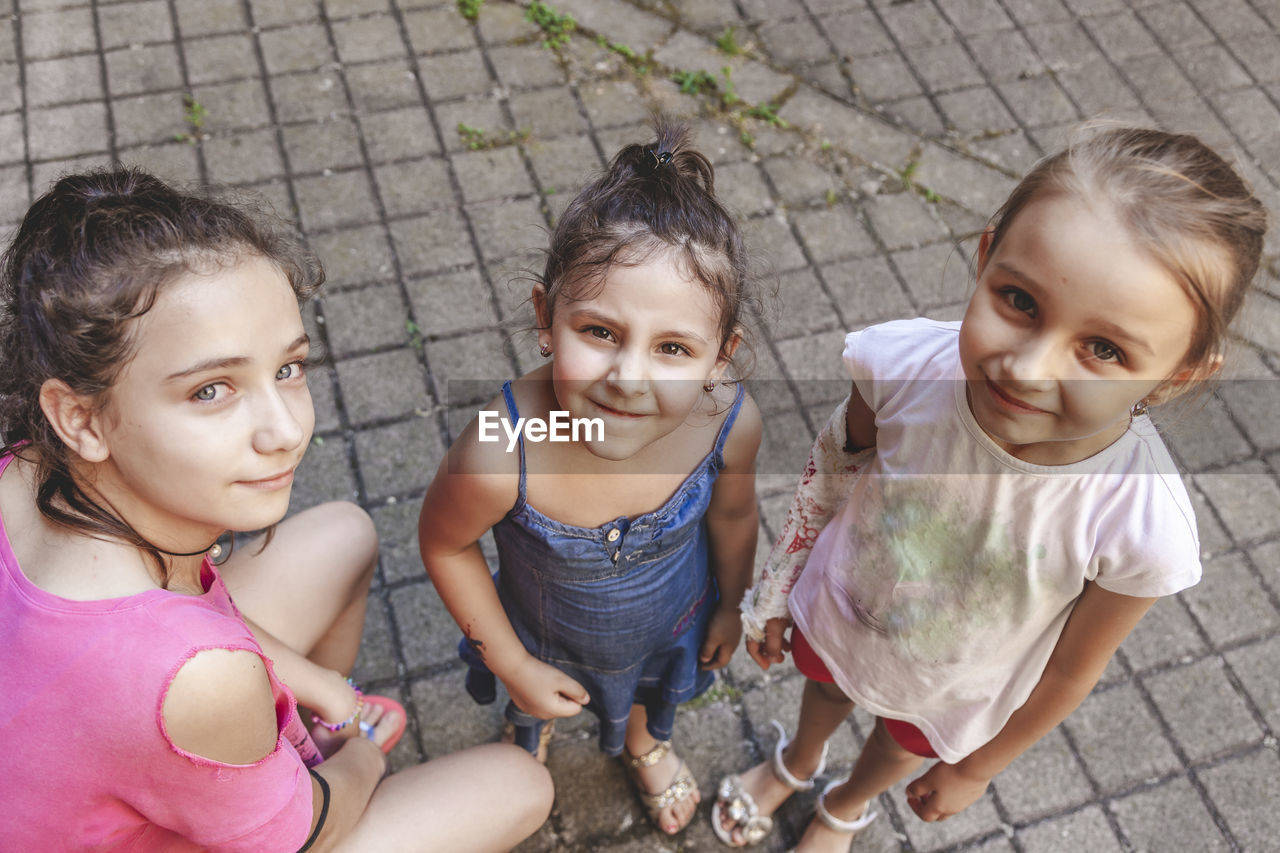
(76, 419)
(1184, 380)
(542, 309)
(984, 249)
(726, 354)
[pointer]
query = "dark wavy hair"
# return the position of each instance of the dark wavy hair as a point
(90, 257)
(653, 199)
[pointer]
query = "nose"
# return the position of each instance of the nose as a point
(629, 372)
(1032, 362)
(276, 426)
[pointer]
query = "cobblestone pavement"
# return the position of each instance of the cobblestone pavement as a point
(423, 155)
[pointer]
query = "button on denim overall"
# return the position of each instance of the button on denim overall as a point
(622, 608)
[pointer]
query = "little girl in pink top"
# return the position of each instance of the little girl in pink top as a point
(153, 397)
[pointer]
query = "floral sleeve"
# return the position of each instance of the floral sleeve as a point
(826, 482)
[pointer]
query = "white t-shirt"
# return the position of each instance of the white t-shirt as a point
(938, 591)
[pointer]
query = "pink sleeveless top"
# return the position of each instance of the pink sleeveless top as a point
(88, 765)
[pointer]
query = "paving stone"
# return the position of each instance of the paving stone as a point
(1151, 817)
(323, 146)
(507, 228)
(399, 458)
(142, 69)
(526, 66)
(414, 186)
(383, 385)
(1205, 436)
(976, 111)
(339, 199)
(320, 383)
(296, 48)
(430, 243)
(453, 75)
(452, 302)
(643, 30)
(242, 157)
(61, 81)
(367, 39)
(238, 104)
(832, 233)
(1230, 603)
(433, 30)
(204, 17)
(563, 164)
(945, 66)
(1202, 708)
(56, 33)
(398, 135)
(884, 77)
(212, 60)
(428, 634)
(273, 13)
(866, 291)
(385, 86)
(1246, 499)
(903, 220)
(353, 256)
(324, 475)
(364, 319)
(378, 652)
(1254, 665)
(1120, 742)
(1086, 829)
(66, 131)
(350, 8)
(608, 104)
(14, 195)
(1166, 634)
(935, 275)
(794, 41)
(1237, 786)
(1043, 780)
(505, 23)
(174, 162)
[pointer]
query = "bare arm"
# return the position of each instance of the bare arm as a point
(733, 521)
(319, 688)
(473, 489)
(1097, 626)
(824, 485)
(220, 706)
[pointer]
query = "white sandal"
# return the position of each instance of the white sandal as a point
(740, 806)
(849, 827)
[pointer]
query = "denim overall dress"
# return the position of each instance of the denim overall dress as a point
(622, 608)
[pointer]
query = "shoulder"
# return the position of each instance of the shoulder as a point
(743, 440)
(889, 342)
(220, 706)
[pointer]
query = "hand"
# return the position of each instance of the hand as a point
(943, 791)
(543, 691)
(775, 645)
(722, 638)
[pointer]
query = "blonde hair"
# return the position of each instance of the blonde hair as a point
(1182, 204)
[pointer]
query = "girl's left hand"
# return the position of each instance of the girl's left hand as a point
(944, 791)
(722, 638)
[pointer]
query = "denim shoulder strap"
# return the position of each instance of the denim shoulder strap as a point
(514, 414)
(724, 427)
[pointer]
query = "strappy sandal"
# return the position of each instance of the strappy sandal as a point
(544, 738)
(736, 803)
(682, 784)
(849, 827)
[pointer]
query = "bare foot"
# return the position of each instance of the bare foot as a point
(659, 777)
(384, 722)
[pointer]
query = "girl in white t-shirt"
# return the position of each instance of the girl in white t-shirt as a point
(990, 513)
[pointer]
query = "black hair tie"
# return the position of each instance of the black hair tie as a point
(660, 159)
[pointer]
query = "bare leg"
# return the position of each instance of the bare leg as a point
(309, 587)
(482, 799)
(823, 707)
(655, 779)
(882, 763)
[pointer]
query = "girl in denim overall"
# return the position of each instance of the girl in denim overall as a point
(625, 548)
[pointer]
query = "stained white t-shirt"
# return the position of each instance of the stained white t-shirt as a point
(938, 591)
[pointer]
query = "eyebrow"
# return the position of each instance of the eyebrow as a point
(593, 315)
(1107, 328)
(231, 361)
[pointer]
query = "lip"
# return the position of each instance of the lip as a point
(617, 413)
(1010, 403)
(275, 481)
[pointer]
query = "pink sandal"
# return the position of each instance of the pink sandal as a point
(387, 704)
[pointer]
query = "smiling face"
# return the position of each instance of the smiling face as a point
(205, 425)
(635, 354)
(1069, 327)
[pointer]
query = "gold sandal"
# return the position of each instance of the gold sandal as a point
(682, 785)
(544, 738)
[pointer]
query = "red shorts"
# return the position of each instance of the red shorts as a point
(811, 666)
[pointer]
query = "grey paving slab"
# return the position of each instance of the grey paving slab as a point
(900, 127)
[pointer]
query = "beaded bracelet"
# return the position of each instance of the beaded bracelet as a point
(355, 715)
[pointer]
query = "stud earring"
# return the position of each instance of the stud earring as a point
(545, 350)
(1139, 409)
(709, 386)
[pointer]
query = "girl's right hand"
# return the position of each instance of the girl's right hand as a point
(773, 649)
(543, 691)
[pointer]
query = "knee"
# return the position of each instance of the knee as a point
(887, 745)
(353, 532)
(829, 692)
(531, 791)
